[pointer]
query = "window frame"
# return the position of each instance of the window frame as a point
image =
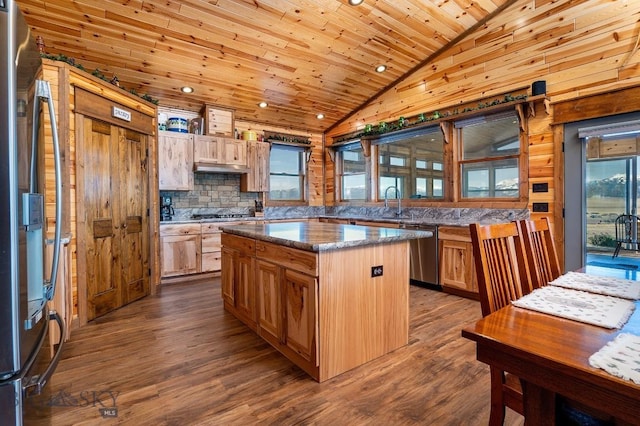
(302, 175)
(429, 173)
(351, 146)
(521, 158)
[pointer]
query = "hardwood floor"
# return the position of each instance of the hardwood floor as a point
(178, 359)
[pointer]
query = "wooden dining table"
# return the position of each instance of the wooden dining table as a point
(551, 356)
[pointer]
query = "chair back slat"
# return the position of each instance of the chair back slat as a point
(540, 252)
(500, 264)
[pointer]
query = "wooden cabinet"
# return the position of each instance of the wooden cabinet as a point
(257, 180)
(322, 310)
(218, 121)
(219, 150)
(212, 246)
(268, 285)
(180, 249)
(300, 313)
(238, 288)
(175, 161)
(287, 309)
(281, 306)
(457, 268)
(233, 151)
(206, 149)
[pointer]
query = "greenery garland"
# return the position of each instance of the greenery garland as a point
(97, 73)
(405, 123)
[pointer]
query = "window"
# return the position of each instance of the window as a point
(287, 173)
(413, 163)
(351, 168)
(490, 156)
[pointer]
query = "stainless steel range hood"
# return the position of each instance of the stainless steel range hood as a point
(219, 168)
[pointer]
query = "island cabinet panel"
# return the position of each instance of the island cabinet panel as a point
(237, 278)
(287, 313)
(457, 268)
(297, 260)
(180, 249)
(362, 317)
(270, 314)
(300, 314)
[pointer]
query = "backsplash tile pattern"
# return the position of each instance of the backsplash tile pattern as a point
(213, 190)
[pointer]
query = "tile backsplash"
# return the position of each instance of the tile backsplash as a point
(213, 190)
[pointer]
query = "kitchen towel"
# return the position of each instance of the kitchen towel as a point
(620, 357)
(618, 287)
(590, 308)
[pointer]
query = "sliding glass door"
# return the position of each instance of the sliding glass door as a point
(611, 190)
(601, 179)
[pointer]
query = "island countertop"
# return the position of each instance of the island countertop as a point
(318, 236)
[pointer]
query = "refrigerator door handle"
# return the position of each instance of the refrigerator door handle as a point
(43, 92)
(34, 384)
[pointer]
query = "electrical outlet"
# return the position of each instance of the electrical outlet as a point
(376, 271)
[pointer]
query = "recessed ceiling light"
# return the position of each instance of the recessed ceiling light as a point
(381, 68)
(355, 2)
(320, 116)
(186, 89)
(263, 104)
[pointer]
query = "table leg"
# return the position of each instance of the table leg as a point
(539, 405)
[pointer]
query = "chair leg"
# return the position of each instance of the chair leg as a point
(617, 251)
(496, 416)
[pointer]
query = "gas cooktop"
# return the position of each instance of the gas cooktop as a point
(219, 215)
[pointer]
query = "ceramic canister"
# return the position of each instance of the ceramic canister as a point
(177, 124)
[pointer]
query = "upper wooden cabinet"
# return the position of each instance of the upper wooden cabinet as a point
(233, 151)
(219, 150)
(175, 161)
(257, 180)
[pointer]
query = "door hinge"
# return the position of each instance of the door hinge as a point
(562, 146)
(563, 212)
(147, 212)
(149, 271)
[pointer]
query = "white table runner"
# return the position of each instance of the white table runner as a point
(590, 308)
(618, 287)
(620, 357)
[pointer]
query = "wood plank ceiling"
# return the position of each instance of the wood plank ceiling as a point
(302, 57)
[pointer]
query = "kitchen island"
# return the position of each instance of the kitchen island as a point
(330, 297)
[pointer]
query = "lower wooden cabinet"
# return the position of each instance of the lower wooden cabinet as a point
(237, 279)
(457, 268)
(286, 309)
(270, 314)
(180, 249)
(276, 300)
(300, 313)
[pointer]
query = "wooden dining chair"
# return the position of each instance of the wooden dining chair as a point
(501, 268)
(540, 252)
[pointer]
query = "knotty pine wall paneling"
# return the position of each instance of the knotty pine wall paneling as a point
(578, 47)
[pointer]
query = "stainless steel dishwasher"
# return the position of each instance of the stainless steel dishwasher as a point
(424, 257)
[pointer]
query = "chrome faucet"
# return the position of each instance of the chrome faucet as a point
(398, 196)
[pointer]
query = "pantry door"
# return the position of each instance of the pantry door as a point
(113, 240)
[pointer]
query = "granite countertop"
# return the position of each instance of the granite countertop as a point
(317, 236)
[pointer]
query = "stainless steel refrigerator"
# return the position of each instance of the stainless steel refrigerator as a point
(25, 287)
